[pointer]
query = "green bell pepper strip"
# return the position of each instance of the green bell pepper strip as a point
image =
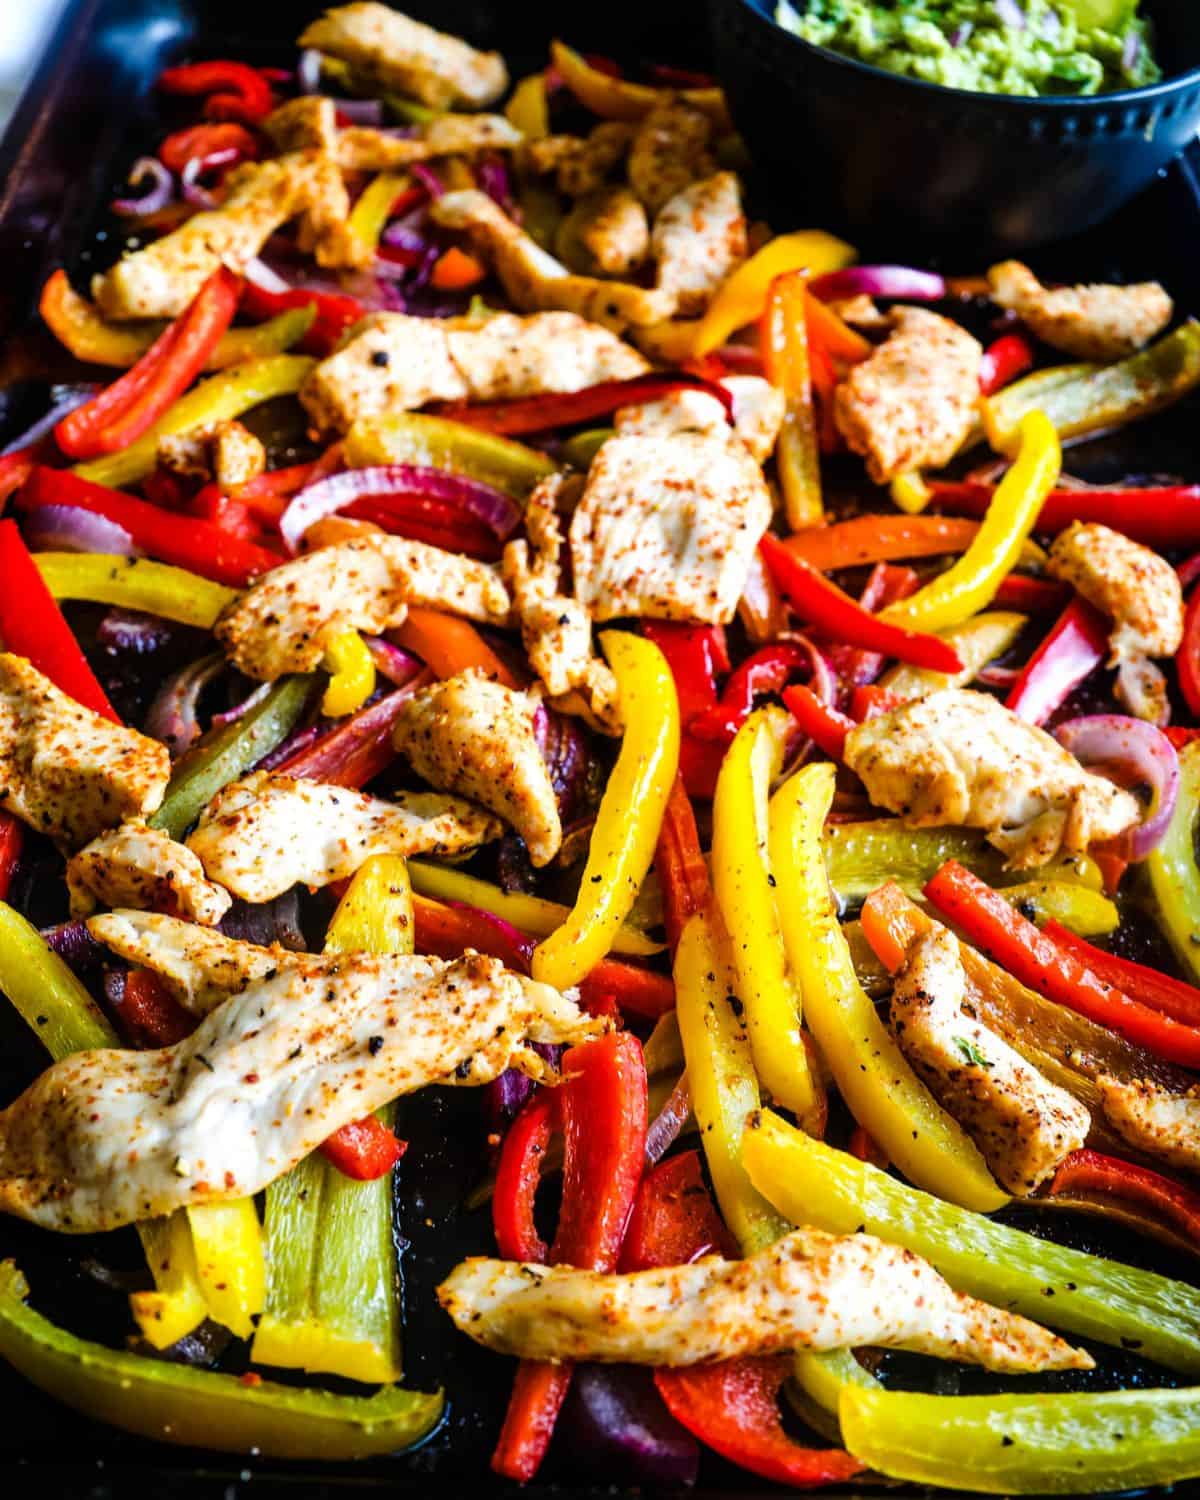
(219, 398)
(1035, 1444)
(217, 759)
(583, 447)
(200, 1408)
(135, 583)
(439, 443)
(811, 1183)
(1171, 868)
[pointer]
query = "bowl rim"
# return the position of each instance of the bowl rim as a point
(1019, 103)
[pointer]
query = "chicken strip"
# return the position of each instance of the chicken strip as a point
(1023, 1124)
(224, 451)
(556, 630)
(670, 151)
(758, 409)
(390, 362)
(912, 403)
(961, 758)
(107, 1137)
(699, 239)
(1141, 594)
(1091, 322)
(65, 770)
(1150, 1119)
(139, 866)
(581, 164)
(264, 834)
(283, 621)
(809, 1290)
(474, 736)
(605, 234)
(360, 148)
(396, 52)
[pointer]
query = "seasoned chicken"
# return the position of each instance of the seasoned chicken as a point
(224, 451)
(160, 280)
(962, 758)
(283, 621)
(309, 123)
(396, 52)
(1023, 1124)
(556, 630)
(581, 164)
(1091, 322)
(264, 834)
(809, 1290)
(670, 151)
(1141, 594)
(699, 238)
(860, 311)
(65, 770)
(138, 866)
(534, 280)
(913, 401)
(109, 1136)
(667, 528)
(474, 736)
(306, 123)
(390, 362)
(758, 409)
(605, 234)
(1149, 1118)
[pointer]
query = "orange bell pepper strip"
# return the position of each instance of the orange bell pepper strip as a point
(455, 270)
(680, 865)
(784, 343)
(199, 141)
(834, 334)
(886, 538)
(448, 646)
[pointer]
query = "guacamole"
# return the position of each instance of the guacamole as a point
(988, 46)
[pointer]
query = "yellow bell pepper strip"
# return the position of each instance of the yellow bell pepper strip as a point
(217, 399)
(135, 583)
(439, 443)
(975, 642)
(221, 757)
(971, 583)
(630, 813)
(332, 1304)
(230, 1262)
(373, 208)
(883, 1093)
(177, 1304)
(532, 914)
(1171, 868)
(176, 1403)
(617, 99)
(784, 343)
(1087, 1295)
(1088, 913)
(343, 78)
(351, 669)
(910, 492)
(527, 110)
(1087, 398)
(746, 892)
(1028, 1444)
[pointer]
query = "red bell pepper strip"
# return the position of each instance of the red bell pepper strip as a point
(864, 1145)
(12, 836)
(673, 1220)
(1168, 517)
(518, 1174)
(766, 672)
(542, 413)
(1187, 658)
(853, 666)
(359, 748)
(230, 515)
(1170, 1202)
(869, 702)
(335, 313)
(825, 725)
(1070, 653)
(1054, 971)
(234, 90)
(425, 520)
(147, 1015)
(1031, 596)
(1180, 736)
(1011, 355)
(680, 865)
(887, 538)
(200, 141)
(695, 654)
(1173, 997)
(364, 1150)
(603, 1104)
(32, 625)
(196, 545)
(824, 605)
(15, 469)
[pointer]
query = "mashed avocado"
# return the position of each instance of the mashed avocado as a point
(989, 46)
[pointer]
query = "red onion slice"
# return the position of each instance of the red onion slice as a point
(1138, 748)
(64, 399)
(259, 274)
(172, 717)
(427, 178)
(391, 661)
(880, 281)
(308, 72)
(361, 111)
(664, 1129)
(69, 528)
(194, 169)
(157, 196)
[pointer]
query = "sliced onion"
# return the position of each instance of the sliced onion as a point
(252, 700)
(308, 72)
(1138, 748)
(564, 749)
(405, 234)
(77, 948)
(70, 528)
(615, 1420)
(664, 1130)
(63, 400)
(397, 665)
(498, 511)
(491, 173)
(823, 681)
(295, 744)
(1009, 13)
(506, 1096)
(361, 111)
(1142, 689)
(172, 717)
(267, 923)
(259, 274)
(194, 169)
(880, 281)
(427, 178)
(132, 632)
(158, 195)
(997, 677)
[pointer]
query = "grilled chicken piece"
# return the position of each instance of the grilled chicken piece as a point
(139, 866)
(1023, 1124)
(310, 124)
(1147, 1117)
(65, 770)
(474, 736)
(390, 362)
(581, 164)
(283, 621)
(758, 409)
(556, 630)
(809, 1290)
(699, 239)
(912, 403)
(534, 280)
(1141, 594)
(306, 123)
(224, 451)
(605, 234)
(160, 280)
(395, 52)
(110, 1136)
(962, 758)
(1091, 322)
(670, 151)
(667, 528)
(264, 834)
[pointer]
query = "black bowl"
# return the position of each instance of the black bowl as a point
(897, 162)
